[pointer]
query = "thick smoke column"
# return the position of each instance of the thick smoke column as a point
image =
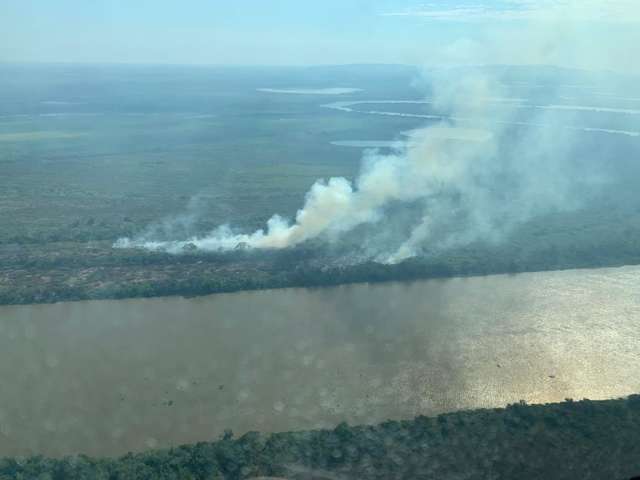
(457, 191)
(430, 165)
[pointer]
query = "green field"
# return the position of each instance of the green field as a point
(90, 154)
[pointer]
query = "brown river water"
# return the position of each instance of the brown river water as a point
(106, 377)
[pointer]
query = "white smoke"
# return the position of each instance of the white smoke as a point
(429, 166)
(483, 185)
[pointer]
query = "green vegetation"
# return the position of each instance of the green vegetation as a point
(570, 440)
(89, 156)
(34, 273)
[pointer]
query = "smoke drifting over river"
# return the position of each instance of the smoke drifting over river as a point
(445, 187)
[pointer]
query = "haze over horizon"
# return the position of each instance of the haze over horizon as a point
(286, 32)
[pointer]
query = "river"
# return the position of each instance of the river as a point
(106, 377)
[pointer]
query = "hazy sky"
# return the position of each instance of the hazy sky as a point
(282, 31)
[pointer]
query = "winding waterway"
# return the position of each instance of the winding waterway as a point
(107, 377)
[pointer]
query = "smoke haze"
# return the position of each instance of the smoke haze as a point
(444, 187)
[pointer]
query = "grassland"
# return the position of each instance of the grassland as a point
(88, 155)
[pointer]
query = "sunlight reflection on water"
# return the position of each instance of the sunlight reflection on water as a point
(106, 377)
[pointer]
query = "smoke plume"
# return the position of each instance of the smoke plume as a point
(482, 164)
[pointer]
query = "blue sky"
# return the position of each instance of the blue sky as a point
(209, 31)
(270, 31)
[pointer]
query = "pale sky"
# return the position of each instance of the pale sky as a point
(294, 32)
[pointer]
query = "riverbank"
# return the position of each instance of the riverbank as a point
(130, 375)
(69, 271)
(569, 440)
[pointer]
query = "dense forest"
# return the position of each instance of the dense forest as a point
(37, 273)
(570, 440)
